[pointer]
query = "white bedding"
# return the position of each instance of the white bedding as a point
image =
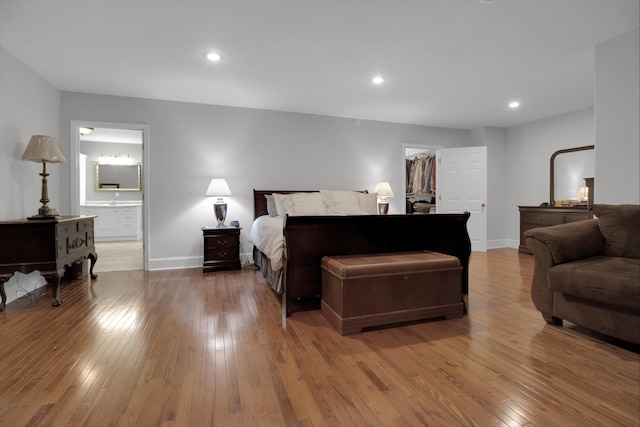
(267, 235)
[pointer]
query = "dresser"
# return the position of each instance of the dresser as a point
(47, 246)
(536, 216)
(221, 248)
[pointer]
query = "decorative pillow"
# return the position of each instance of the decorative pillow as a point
(342, 202)
(368, 203)
(305, 204)
(620, 227)
(272, 209)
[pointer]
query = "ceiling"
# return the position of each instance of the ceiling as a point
(451, 63)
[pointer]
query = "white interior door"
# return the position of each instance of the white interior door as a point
(461, 185)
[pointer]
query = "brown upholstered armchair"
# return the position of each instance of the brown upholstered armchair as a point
(588, 272)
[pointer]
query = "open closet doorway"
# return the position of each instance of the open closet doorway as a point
(108, 179)
(448, 180)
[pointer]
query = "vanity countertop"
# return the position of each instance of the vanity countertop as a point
(112, 204)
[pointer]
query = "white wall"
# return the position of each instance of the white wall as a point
(529, 149)
(617, 126)
(29, 105)
(192, 143)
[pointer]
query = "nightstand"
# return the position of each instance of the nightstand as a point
(221, 248)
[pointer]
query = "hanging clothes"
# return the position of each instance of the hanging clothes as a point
(421, 175)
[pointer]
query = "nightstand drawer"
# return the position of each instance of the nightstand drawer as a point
(220, 242)
(221, 254)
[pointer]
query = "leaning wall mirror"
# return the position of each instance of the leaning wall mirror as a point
(109, 177)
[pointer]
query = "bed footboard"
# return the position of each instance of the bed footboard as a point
(309, 238)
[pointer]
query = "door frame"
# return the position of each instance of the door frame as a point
(74, 174)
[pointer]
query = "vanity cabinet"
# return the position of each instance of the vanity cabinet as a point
(116, 222)
(535, 216)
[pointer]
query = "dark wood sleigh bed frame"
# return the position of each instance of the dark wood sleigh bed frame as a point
(309, 238)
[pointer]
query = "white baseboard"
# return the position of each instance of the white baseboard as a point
(188, 262)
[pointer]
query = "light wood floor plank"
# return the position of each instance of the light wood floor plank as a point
(185, 348)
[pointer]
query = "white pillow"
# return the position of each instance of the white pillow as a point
(280, 206)
(369, 203)
(272, 209)
(305, 204)
(342, 202)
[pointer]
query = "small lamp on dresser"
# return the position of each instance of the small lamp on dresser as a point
(44, 149)
(384, 190)
(218, 188)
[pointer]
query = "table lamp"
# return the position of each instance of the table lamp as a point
(384, 190)
(45, 149)
(218, 188)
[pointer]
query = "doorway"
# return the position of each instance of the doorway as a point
(459, 184)
(109, 151)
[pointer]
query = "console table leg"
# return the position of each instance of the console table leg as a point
(54, 279)
(93, 258)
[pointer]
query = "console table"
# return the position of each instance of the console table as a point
(47, 246)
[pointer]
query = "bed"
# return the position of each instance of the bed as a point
(296, 272)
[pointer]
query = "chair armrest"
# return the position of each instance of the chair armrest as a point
(568, 242)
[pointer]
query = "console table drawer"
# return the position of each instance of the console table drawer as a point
(74, 237)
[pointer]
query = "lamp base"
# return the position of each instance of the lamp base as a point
(383, 208)
(220, 211)
(45, 213)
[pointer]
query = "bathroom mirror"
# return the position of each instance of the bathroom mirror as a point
(109, 177)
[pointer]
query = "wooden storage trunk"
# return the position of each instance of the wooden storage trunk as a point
(360, 291)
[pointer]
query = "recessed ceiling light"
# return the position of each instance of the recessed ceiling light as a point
(514, 104)
(213, 56)
(377, 80)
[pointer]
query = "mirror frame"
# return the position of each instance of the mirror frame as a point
(552, 171)
(96, 178)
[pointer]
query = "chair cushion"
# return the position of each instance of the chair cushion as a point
(610, 280)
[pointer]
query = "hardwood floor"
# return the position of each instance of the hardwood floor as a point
(181, 348)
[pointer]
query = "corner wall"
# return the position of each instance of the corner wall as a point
(617, 120)
(29, 105)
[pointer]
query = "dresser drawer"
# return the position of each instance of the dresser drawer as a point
(542, 219)
(574, 217)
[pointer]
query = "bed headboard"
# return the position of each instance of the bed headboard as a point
(260, 202)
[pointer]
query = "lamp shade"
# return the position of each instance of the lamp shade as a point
(583, 193)
(384, 189)
(42, 148)
(218, 188)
